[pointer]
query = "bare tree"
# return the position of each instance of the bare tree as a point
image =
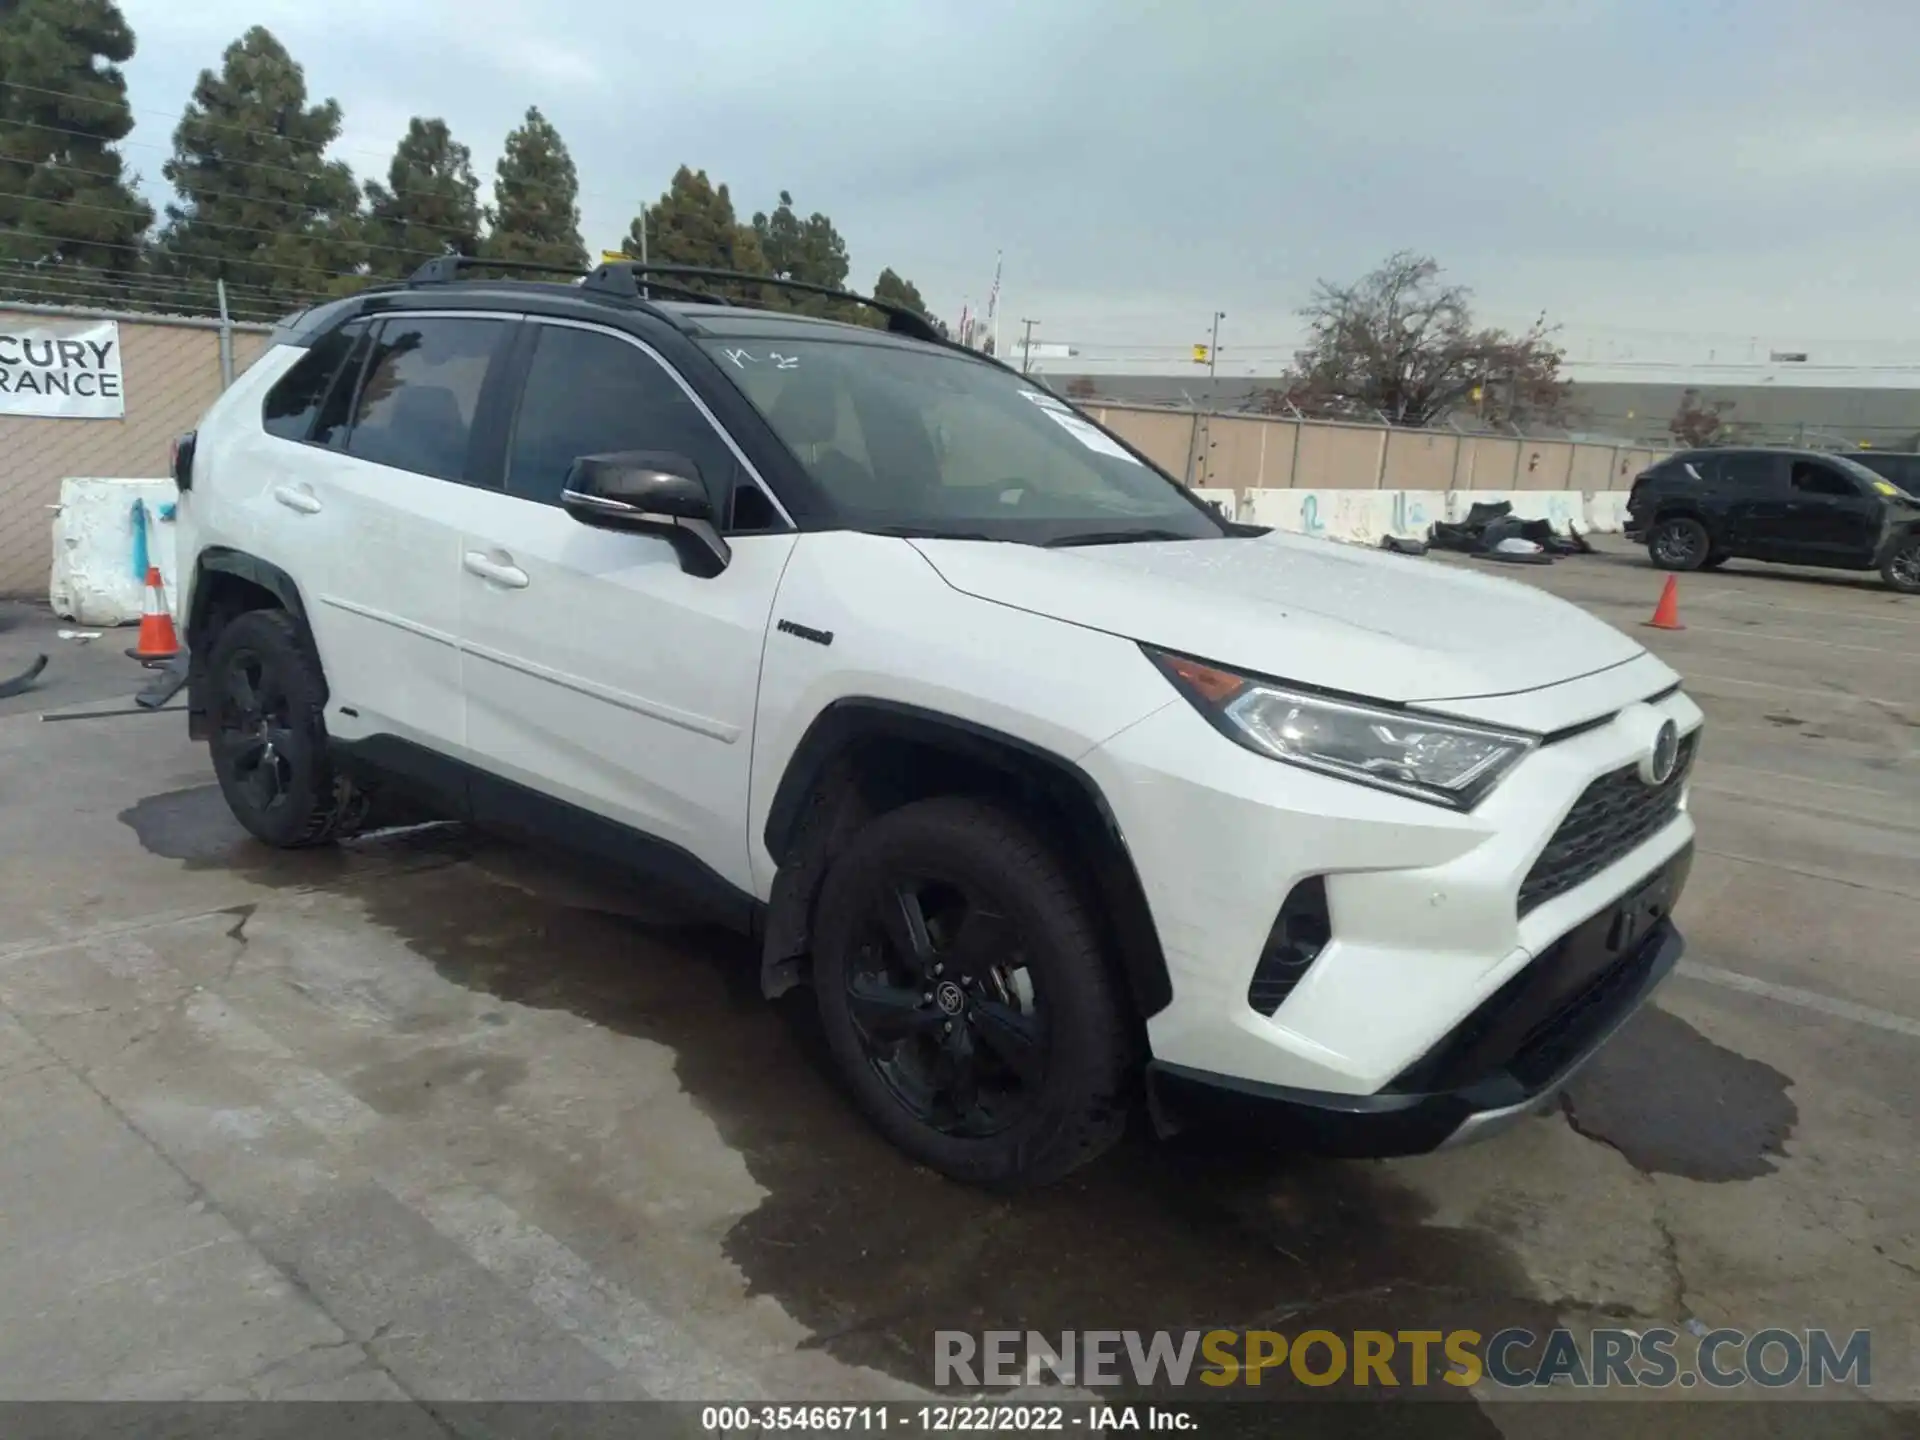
(1399, 344)
(1698, 422)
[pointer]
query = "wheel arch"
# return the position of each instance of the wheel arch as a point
(862, 757)
(229, 582)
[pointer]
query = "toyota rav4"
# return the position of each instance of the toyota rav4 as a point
(1056, 786)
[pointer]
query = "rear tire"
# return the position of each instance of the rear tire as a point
(1681, 543)
(977, 1022)
(269, 738)
(1902, 570)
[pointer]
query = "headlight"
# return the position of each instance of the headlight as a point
(1444, 762)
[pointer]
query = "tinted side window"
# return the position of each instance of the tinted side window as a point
(330, 429)
(1747, 474)
(1810, 477)
(589, 393)
(296, 398)
(416, 405)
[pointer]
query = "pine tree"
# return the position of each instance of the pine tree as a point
(260, 205)
(810, 250)
(895, 290)
(63, 104)
(430, 204)
(693, 223)
(536, 199)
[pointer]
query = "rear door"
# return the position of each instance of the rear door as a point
(393, 487)
(598, 673)
(1749, 492)
(1834, 518)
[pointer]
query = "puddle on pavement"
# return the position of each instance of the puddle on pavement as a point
(869, 1252)
(1674, 1103)
(874, 1254)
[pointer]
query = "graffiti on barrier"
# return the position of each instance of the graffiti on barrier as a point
(1310, 520)
(1408, 514)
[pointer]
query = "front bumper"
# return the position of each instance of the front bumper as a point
(1424, 903)
(1506, 1060)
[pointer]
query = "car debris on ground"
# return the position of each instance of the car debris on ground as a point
(1493, 531)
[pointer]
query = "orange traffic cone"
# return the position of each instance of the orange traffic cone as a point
(157, 644)
(1666, 615)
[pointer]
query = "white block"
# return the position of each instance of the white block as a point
(94, 581)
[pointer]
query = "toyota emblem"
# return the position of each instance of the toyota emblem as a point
(1657, 765)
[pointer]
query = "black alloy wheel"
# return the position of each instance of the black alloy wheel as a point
(1679, 544)
(254, 731)
(268, 741)
(967, 996)
(947, 1009)
(1902, 570)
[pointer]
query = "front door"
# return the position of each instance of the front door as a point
(1834, 519)
(597, 672)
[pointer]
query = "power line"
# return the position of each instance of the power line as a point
(305, 147)
(199, 195)
(249, 263)
(209, 224)
(186, 287)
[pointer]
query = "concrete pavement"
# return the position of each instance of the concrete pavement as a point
(431, 1117)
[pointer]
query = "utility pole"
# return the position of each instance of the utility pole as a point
(1213, 349)
(644, 293)
(1026, 345)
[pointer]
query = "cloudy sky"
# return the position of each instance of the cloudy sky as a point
(1658, 175)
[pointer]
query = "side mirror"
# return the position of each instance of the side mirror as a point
(649, 492)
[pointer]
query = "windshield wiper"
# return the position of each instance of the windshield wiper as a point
(1117, 537)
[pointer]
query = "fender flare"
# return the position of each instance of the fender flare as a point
(819, 802)
(223, 560)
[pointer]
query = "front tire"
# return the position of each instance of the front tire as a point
(1681, 543)
(965, 997)
(269, 741)
(1902, 570)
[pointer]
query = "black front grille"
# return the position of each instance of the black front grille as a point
(1615, 813)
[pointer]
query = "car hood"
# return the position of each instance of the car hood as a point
(1365, 622)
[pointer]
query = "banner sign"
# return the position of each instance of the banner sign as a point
(65, 368)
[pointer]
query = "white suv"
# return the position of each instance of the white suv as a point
(1039, 771)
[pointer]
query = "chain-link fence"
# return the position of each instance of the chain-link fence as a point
(170, 374)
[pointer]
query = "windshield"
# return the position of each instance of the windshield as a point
(1900, 470)
(926, 442)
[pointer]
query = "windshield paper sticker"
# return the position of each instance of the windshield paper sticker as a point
(1045, 402)
(1095, 440)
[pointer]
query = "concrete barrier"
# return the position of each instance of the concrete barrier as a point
(1362, 517)
(98, 561)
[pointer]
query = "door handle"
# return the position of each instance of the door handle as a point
(511, 576)
(297, 497)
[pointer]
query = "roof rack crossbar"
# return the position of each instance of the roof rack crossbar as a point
(625, 277)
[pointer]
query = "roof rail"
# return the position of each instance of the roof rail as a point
(627, 278)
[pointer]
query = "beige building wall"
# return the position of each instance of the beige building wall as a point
(1421, 459)
(171, 373)
(1545, 465)
(1163, 436)
(1246, 452)
(1339, 457)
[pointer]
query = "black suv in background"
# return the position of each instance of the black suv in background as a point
(1902, 468)
(1701, 508)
